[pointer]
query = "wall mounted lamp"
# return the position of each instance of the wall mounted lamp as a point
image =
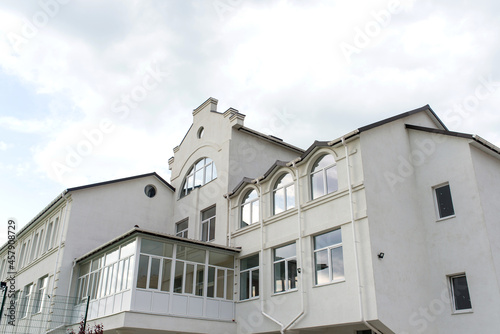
(380, 255)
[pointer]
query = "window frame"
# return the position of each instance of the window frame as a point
(250, 271)
(26, 301)
(184, 232)
(453, 297)
(437, 201)
(41, 293)
(192, 173)
(250, 203)
(286, 261)
(328, 248)
(324, 175)
(210, 222)
(286, 198)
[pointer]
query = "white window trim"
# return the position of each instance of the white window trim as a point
(329, 254)
(436, 205)
(184, 231)
(287, 186)
(452, 294)
(324, 174)
(209, 221)
(286, 260)
(251, 204)
(250, 270)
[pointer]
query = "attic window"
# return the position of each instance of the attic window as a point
(201, 130)
(150, 190)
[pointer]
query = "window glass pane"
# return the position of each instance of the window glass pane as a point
(285, 252)
(211, 282)
(131, 262)
(188, 287)
(328, 239)
(179, 272)
(255, 212)
(322, 268)
(212, 229)
(204, 231)
(182, 225)
(198, 178)
(284, 180)
(279, 201)
(246, 215)
(292, 274)
(142, 274)
(249, 262)
(96, 263)
(154, 273)
(255, 283)
(165, 275)
(190, 254)
(156, 248)
(461, 293)
(220, 283)
(208, 173)
(221, 260)
(252, 194)
(445, 203)
(84, 268)
(332, 179)
(208, 213)
(290, 197)
(244, 285)
(111, 257)
(95, 285)
(323, 162)
(317, 186)
(279, 276)
(337, 263)
(127, 250)
(200, 277)
(115, 278)
(229, 285)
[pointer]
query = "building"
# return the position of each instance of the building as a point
(391, 228)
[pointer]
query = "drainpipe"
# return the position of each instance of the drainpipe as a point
(356, 260)
(261, 271)
(299, 226)
(69, 289)
(228, 226)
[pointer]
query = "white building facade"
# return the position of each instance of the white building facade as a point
(391, 228)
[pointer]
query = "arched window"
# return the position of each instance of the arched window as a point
(249, 208)
(202, 172)
(324, 178)
(284, 194)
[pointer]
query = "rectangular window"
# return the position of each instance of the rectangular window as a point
(444, 201)
(460, 293)
(285, 268)
(328, 257)
(249, 277)
(181, 228)
(47, 237)
(208, 224)
(40, 295)
(26, 300)
(34, 248)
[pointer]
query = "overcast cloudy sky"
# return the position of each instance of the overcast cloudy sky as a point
(133, 71)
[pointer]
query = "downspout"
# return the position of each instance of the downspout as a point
(261, 271)
(228, 226)
(299, 226)
(69, 289)
(356, 259)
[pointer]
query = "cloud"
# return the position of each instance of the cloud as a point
(4, 146)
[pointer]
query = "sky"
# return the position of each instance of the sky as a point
(97, 90)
